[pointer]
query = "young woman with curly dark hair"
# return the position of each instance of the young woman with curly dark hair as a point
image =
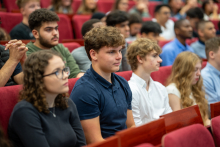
(45, 116)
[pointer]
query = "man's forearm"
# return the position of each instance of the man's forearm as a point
(6, 71)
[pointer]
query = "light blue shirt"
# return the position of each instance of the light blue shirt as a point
(171, 50)
(211, 81)
(199, 49)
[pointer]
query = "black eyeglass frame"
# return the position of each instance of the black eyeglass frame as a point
(63, 70)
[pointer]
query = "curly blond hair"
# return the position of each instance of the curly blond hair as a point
(33, 87)
(182, 72)
(99, 37)
(141, 47)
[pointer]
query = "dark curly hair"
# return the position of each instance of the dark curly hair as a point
(33, 87)
(99, 37)
(39, 16)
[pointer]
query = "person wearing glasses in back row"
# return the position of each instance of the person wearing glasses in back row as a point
(45, 117)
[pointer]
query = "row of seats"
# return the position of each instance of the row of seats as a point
(103, 5)
(9, 95)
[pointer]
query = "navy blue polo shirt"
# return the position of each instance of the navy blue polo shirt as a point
(94, 96)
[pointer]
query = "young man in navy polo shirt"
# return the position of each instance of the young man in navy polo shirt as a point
(103, 99)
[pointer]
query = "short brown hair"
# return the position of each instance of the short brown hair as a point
(141, 47)
(99, 37)
(212, 44)
(21, 3)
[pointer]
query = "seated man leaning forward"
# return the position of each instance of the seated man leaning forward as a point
(149, 98)
(43, 24)
(103, 99)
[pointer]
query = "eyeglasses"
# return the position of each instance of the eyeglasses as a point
(59, 73)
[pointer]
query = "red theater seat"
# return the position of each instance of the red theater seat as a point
(71, 46)
(78, 21)
(204, 64)
(125, 74)
(71, 83)
(215, 109)
(148, 133)
(108, 142)
(8, 99)
(76, 4)
(163, 42)
(10, 5)
(65, 28)
(215, 124)
(45, 3)
(191, 136)
(145, 145)
(181, 118)
(131, 4)
(190, 41)
(152, 6)
(10, 20)
(105, 6)
(162, 74)
(215, 22)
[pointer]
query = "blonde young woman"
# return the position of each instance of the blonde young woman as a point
(186, 85)
(88, 7)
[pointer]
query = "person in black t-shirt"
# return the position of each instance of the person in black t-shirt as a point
(22, 30)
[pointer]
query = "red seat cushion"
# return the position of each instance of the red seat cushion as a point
(125, 74)
(71, 83)
(151, 7)
(71, 45)
(162, 74)
(8, 99)
(65, 27)
(10, 5)
(78, 21)
(215, 22)
(216, 129)
(10, 20)
(191, 136)
(45, 3)
(145, 145)
(105, 6)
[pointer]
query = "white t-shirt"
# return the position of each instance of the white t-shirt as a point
(172, 89)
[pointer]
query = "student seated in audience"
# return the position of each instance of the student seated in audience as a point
(135, 24)
(162, 15)
(45, 114)
(22, 31)
(103, 99)
(61, 6)
(194, 15)
(141, 7)
(151, 30)
(80, 54)
(11, 61)
(183, 31)
(121, 5)
(211, 72)
(149, 98)
(120, 20)
(186, 84)
(206, 30)
(210, 10)
(43, 24)
(87, 7)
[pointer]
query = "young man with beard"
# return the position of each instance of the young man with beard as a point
(183, 31)
(103, 99)
(43, 24)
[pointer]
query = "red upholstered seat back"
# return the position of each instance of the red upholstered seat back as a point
(10, 20)
(10, 5)
(8, 98)
(71, 83)
(148, 133)
(162, 74)
(215, 22)
(71, 45)
(215, 124)
(105, 5)
(152, 6)
(45, 3)
(108, 142)
(78, 21)
(204, 64)
(191, 136)
(76, 4)
(144, 145)
(65, 27)
(163, 42)
(190, 41)
(182, 118)
(125, 74)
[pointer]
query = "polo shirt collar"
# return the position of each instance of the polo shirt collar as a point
(215, 71)
(103, 81)
(180, 45)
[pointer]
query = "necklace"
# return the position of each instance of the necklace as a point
(54, 115)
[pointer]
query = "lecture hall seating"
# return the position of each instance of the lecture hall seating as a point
(215, 125)
(181, 118)
(10, 5)
(215, 109)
